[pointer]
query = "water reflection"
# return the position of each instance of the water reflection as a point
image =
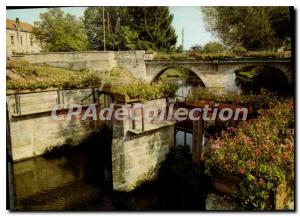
(80, 179)
(180, 139)
(55, 184)
(73, 178)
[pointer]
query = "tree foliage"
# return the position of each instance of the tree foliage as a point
(213, 46)
(250, 27)
(130, 28)
(58, 31)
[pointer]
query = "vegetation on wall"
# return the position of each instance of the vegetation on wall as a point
(32, 76)
(261, 152)
(229, 54)
(145, 91)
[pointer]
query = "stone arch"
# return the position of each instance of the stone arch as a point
(279, 80)
(160, 70)
(285, 69)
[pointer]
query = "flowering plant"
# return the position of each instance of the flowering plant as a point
(261, 152)
(265, 99)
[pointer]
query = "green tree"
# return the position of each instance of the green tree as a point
(213, 46)
(154, 27)
(130, 28)
(179, 49)
(115, 21)
(249, 27)
(60, 32)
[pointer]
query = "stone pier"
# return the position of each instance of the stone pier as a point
(137, 153)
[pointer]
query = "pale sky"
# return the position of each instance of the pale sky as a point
(188, 18)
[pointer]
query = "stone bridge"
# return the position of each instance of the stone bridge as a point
(213, 73)
(216, 73)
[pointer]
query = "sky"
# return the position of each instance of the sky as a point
(185, 17)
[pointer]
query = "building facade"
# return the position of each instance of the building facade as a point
(20, 39)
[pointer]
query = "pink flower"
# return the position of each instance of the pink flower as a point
(284, 155)
(261, 181)
(275, 157)
(251, 164)
(258, 151)
(218, 144)
(232, 129)
(241, 170)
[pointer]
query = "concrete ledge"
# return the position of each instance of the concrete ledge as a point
(152, 127)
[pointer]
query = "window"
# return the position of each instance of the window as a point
(12, 41)
(31, 41)
(21, 40)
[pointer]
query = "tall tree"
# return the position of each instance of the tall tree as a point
(154, 27)
(60, 32)
(115, 19)
(130, 28)
(250, 27)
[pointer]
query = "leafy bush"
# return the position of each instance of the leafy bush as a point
(213, 46)
(145, 91)
(261, 151)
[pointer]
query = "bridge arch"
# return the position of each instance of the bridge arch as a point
(154, 75)
(274, 77)
(285, 69)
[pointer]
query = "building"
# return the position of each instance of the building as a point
(19, 38)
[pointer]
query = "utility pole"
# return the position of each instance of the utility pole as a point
(182, 39)
(103, 19)
(119, 32)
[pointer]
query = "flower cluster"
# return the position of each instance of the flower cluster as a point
(261, 152)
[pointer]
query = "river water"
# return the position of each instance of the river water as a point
(79, 178)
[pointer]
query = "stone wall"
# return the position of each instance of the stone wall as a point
(137, 154)
(32, 128)
(92, 60)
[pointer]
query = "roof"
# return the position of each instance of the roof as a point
(11, 24)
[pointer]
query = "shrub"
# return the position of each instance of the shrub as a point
(145, 91)
(213, 46)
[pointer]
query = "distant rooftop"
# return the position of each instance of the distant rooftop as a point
(11, 24)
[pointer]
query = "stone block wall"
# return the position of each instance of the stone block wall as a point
(92, 60)
(32, 128)
(136, 156)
